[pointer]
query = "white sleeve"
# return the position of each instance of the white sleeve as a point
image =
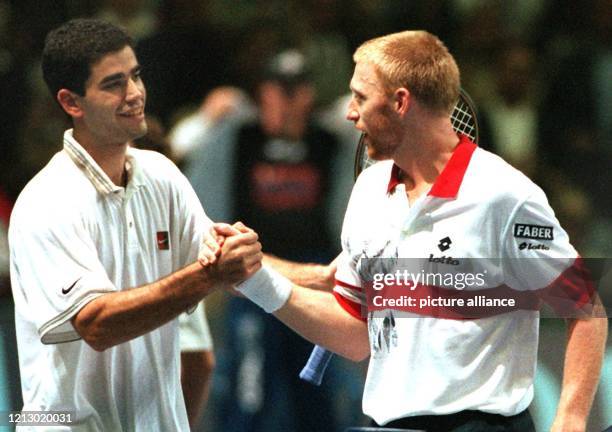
(539, 257)
(55, 271)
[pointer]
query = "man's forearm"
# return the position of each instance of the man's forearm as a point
(317, 316)
(121, 316)
(315, 276)
(583, 359)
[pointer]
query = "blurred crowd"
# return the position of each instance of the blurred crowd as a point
(539, 72)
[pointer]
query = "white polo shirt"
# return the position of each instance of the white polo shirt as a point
(421, 365)
(74, 236)
(194, 333)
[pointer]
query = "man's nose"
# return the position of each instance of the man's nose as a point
(135, 89)
(352, 115)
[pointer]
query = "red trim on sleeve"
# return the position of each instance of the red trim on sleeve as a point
(351, 307)
(572, 290)
(346, 285)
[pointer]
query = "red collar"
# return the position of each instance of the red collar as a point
(448, 182)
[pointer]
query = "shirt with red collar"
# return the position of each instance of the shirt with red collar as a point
(478, 207)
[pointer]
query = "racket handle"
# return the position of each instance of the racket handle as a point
(317, 363)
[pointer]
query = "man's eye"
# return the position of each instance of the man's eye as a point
(113, 85)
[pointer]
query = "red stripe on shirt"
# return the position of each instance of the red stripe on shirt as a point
(346, 285)
(353, 308)
(572, 290)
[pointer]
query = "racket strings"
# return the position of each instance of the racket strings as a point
(463, 120)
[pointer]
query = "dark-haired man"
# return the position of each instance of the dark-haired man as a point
(104, 250)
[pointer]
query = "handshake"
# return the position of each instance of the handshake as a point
(232, 256)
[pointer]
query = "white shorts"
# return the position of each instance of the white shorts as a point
(194, 334)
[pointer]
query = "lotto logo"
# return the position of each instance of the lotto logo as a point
(444, 244)
(531, 246)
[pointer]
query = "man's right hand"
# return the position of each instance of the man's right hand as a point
(240, 255)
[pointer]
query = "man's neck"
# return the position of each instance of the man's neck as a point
(425, 154)
(110, 157)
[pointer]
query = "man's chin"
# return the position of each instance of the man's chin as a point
(377, 155)
(140, 131)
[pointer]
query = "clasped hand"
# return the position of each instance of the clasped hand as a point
(233, 252)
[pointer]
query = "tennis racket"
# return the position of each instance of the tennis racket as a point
(464, 121)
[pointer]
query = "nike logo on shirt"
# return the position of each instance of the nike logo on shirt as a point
(67, 290)
(163, 241)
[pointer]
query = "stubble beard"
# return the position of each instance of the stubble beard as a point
(378, 151)
(140, 131)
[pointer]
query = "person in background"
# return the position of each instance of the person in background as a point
(276, 169)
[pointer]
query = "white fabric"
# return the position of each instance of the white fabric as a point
(72, 229)
(267, 288)
(194, 331)
(422, 365)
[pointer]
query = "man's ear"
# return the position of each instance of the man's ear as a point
(401, 100)
(70, 103)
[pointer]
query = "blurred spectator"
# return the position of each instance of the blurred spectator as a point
(327, 48)
(333, 118)
(222, 106)
(279, 168)
(205, 143)
(259, 40)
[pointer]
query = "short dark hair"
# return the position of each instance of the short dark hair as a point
(71, 49)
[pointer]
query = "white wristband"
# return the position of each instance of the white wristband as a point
(267, 288)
